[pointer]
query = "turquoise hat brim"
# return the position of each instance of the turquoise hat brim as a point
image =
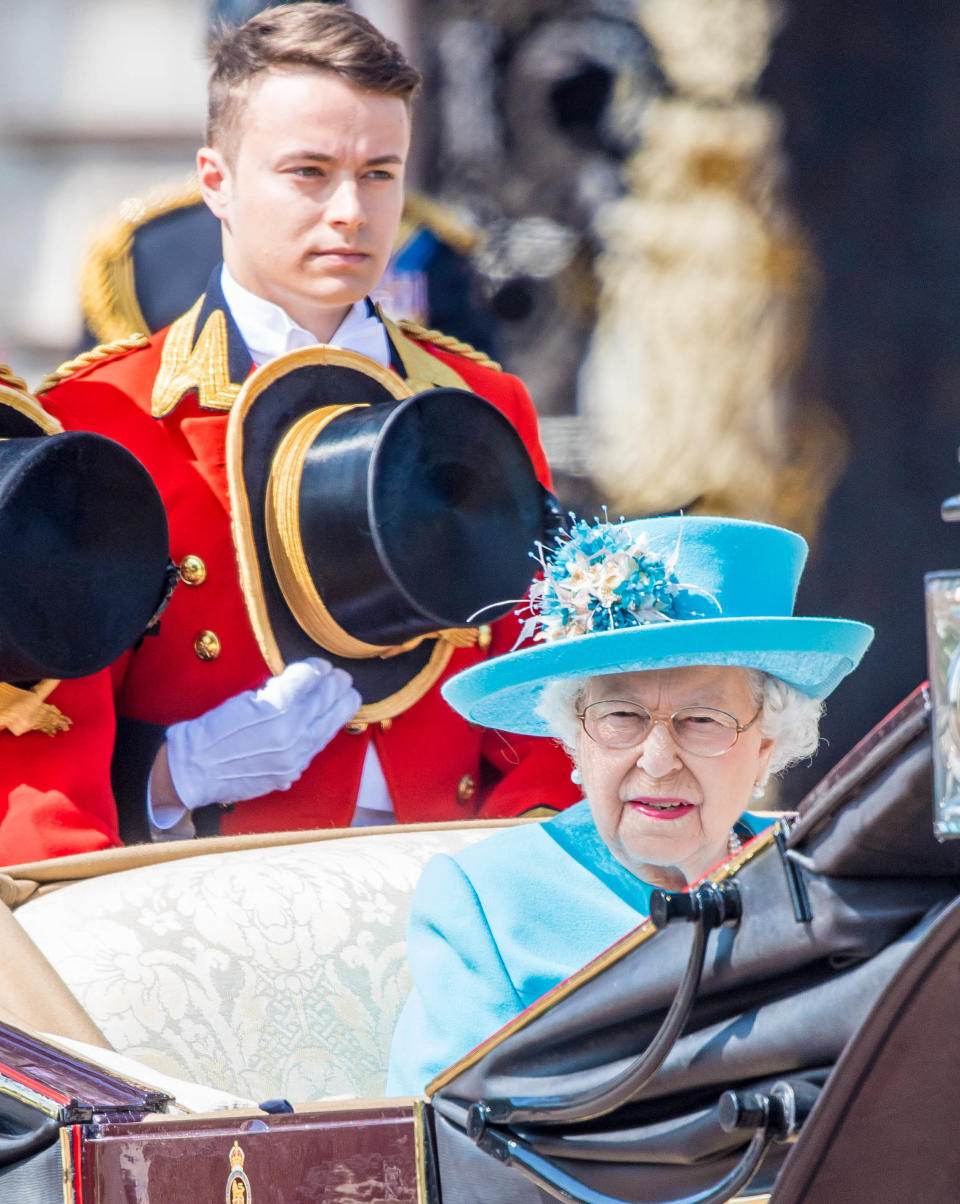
(813, 655)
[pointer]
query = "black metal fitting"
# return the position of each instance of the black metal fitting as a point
(715, 903)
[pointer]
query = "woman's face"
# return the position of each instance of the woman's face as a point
(663, 812)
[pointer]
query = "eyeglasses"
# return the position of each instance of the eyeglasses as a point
(705, 731)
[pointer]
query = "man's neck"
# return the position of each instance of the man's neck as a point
(319, 320)
(268, 330)
(322, 323)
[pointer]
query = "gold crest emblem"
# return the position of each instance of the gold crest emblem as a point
(238, 1185)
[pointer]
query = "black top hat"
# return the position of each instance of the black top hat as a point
(376, 527)
(83, 535)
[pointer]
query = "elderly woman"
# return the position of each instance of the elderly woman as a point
(668, 661)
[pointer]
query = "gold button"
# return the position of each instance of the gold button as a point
(484, 636)
(356, 728)
(207, 646)
(386, 724)
(192, 570)
(466, 788)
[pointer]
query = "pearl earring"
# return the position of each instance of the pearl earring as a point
(759, 789)
(575, 776)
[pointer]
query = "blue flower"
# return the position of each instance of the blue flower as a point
(600, 577)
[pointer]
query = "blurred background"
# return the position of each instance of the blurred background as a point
(718, 239)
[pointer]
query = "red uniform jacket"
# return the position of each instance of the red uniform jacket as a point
(55, 796)
(436, 765)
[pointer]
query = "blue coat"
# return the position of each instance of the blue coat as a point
(495, 927)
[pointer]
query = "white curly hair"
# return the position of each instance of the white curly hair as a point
(789, 718)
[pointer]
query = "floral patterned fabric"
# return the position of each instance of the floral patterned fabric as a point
(264, 972)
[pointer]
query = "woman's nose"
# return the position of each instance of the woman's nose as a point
(659, 754)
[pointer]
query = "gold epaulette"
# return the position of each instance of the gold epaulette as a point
(9, 377)
(446, 342)
(105, 351)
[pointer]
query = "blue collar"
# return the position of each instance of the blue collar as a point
(576, 833)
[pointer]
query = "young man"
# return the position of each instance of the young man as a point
(309, 129)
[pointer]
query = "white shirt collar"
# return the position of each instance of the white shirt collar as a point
(268, 331)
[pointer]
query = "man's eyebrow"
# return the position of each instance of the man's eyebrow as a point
(323, 157)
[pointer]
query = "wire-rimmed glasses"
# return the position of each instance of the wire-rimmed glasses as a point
(705, 731)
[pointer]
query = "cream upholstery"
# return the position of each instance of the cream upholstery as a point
(262, 972)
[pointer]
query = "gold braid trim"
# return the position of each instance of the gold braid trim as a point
(285, 544)
(190, 365)
(105, 351)
(24, 403)
(9, 377)
(447, 342)
(108, 288)
(25, 711)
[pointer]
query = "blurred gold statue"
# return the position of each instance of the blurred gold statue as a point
(706, 286)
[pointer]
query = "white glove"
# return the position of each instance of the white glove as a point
(261, 740)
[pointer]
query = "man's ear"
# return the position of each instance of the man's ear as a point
(215, 180)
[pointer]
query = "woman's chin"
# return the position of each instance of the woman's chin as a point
(660, 835)
(652, 856)
(667, 857)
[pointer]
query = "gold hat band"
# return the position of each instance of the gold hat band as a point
(282, 515)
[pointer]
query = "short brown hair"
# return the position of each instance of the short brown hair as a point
(323, 36)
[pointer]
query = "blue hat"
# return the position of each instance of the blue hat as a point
(659, 593)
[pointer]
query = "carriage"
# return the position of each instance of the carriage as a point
(214, 1017)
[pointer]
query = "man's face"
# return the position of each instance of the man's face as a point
(311, 202)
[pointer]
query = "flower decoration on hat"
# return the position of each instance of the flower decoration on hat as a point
(602, 576)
